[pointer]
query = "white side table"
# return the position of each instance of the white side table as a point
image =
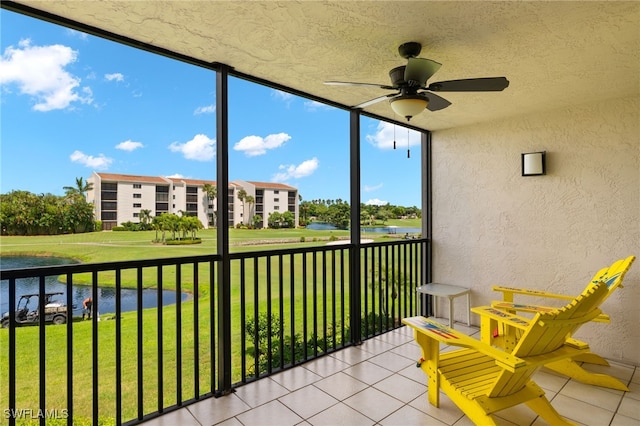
(449, 291)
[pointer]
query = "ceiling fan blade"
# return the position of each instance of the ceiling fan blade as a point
(376, 100)
(419, 70)
(436, 103)
(346, 83)
(488, 84)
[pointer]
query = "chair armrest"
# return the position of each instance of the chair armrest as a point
(502, 317)
(528, 292)
(575, 343)
(441, 333)
(510, 306)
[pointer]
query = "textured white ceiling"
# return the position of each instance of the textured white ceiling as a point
(555, 54)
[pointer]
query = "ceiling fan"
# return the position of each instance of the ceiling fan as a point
(409, 82)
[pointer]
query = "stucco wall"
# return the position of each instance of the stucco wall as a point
(553, 232)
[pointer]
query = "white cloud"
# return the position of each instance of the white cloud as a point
(368, 188)
(256, 145)
(175, 176)
(129, 145)
(39, 71)
(315, 106)
(284, 96)
(209, 109)
(292, 171)
(78, 34)
(200, 148)
(384, 136)
(114, 76)
(99, 163)
(376, 202)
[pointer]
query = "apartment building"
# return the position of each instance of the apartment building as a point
(119, 198)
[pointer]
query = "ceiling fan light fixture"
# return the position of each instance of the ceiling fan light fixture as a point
(409, 105)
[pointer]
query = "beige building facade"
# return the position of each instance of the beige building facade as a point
(119, 198)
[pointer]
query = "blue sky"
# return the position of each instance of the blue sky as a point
(72, 103)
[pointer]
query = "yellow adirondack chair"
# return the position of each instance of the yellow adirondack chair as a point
(506, 336)
(481, 379)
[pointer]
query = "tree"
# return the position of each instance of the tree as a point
(242, 196)
(172, 224)
(80, 190)
(157, 225)
(338, 215)
(251, 201)
(274, 220)
(288, 220)
(25, 213)
(212, 192)
(257, 221)
(145, 218)
(193, 225)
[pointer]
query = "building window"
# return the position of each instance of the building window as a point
(276, 207)
(136, 205)
(275, 200)
(106, 195)
(137, 195)
(137, 186)
(136, 215)
(276, 192)
(109, 205)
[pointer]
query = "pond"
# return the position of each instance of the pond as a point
(106, 295)
(323, 226)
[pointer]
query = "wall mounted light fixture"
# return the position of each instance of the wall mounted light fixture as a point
(533, 163)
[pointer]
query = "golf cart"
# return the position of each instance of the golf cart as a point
(27, 311)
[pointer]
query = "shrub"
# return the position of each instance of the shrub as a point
(302, 239)
(183, 242)
(333, 238)
(267, 332)
(130, 226)
(118, 228)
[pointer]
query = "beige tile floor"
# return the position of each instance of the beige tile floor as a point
(377, 383)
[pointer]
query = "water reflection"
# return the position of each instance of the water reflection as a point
(106, 298)
(323, 226)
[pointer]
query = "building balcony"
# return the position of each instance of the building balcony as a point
(211, 358)
(377, 383)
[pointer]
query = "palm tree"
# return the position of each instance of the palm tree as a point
(212, 192)
(242, 196)
(251, 201)
(81, 188)
(145, 218)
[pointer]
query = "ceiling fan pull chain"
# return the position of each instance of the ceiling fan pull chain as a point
(394, 133)
(408, 150)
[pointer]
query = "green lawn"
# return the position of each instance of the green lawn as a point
(116, 246)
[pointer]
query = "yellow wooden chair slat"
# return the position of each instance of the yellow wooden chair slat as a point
(506, 334)
(482, 379)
